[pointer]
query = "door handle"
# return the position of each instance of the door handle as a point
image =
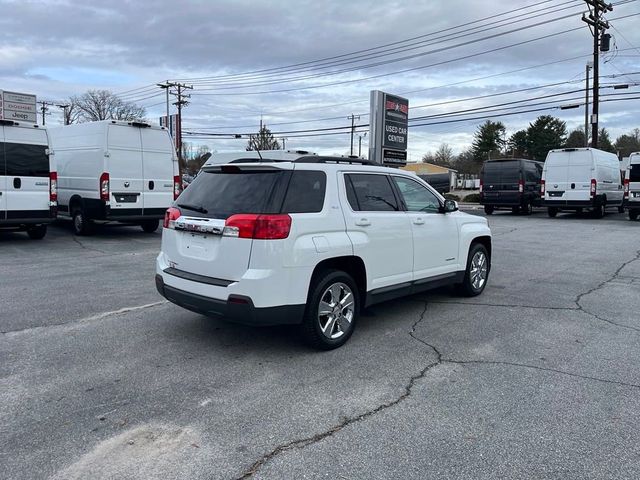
(418, 221)
(17, 183)
(363, 222)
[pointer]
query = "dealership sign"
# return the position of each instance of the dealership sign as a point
(389, 126)
(173, 127)
(17, 106)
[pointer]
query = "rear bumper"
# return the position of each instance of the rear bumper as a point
(509, 199)
(632, 204)
(98, 210)
(24, 219)
(237, 308)
(571, 203)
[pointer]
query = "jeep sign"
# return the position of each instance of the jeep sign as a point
(389, 126)
(20, 107)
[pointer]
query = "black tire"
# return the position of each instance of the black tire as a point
(468, 287)
(150, 226)
(633, 214)
(598, 211)
(327, 287)
(37, 232)
(527, 208)
(488, 209)
(552, 212)
(81, 225)
(515, 210)
(621, 209)
(578, 211)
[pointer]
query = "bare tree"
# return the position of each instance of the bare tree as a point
(97, 105)
(443, 156)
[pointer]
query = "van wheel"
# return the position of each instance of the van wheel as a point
(488, 209)
(515, 210)
(150, 226)
(552, 212)
(37, 232)
(332, 310)
(81, 226)
(527, 208)
(477, 272)
(633, 214)
(598, 212)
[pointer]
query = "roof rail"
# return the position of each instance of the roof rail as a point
(319, 159)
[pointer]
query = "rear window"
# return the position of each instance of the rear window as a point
(634, 172)
(501, 172)
(22, 160)
(222, 194)
(305, 193)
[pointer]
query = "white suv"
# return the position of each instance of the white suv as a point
(312, 242)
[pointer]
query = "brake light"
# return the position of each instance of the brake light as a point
(542, 188)
(594, 187)
(104, 186)
(626, 188)
(520, 186)
(170, 217)
(481, 186)
(261, 227)
(177, 187)
(53, 186)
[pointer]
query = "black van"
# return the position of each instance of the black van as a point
(510, 183)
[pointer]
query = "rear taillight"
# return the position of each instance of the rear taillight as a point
(261, 227)
(170, 217)
(481, 186)
(542, 188)
(104, 187)
(53, 186)
(177, 187)
(626, 188)
(520, 186)
(594, 187)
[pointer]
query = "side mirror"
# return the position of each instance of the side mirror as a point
(450, 206)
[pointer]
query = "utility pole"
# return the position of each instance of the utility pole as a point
(166, 86)
(596, 9)
(586, 106)
(360, 137)
(44, 108)
(284, 147)
(353, 128)
(180, 102)
(65, 113)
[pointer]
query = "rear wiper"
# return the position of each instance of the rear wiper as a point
(195, 208)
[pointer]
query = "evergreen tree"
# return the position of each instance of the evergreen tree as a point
(604, 141)
(518, 144)
(263, 140)
(544, 134)
(575, 139)
(627, 144)
(488, 141)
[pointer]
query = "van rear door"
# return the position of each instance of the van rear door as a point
(579, 175)
(124, 163)
(27, 173)
(158, 163)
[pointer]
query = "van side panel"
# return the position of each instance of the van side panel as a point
(159, 163)
(3, 178)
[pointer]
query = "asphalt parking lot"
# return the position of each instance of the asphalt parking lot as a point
(537, 378)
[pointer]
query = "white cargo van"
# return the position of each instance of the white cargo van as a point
(27, 179)
(578, 178)
(114, 170)
(632, 186)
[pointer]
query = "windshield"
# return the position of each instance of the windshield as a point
(222, 194)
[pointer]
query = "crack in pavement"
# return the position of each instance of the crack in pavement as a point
(305, 442)
(98, 316)
(444, 302)
(536, 367)
(615, 275)
(91, 249)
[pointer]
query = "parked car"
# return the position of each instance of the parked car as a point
(312, 241)
(632, 186)
(510, 183)
(115, 171)
(578, 178)
(441, 182)
(28, 191)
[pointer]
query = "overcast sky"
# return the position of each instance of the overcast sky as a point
(293, 63)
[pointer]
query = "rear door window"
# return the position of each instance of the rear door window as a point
(634, 172)
(370, 193)
(501, 172)
(220, 194)
(305, 193)
(24, 160)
